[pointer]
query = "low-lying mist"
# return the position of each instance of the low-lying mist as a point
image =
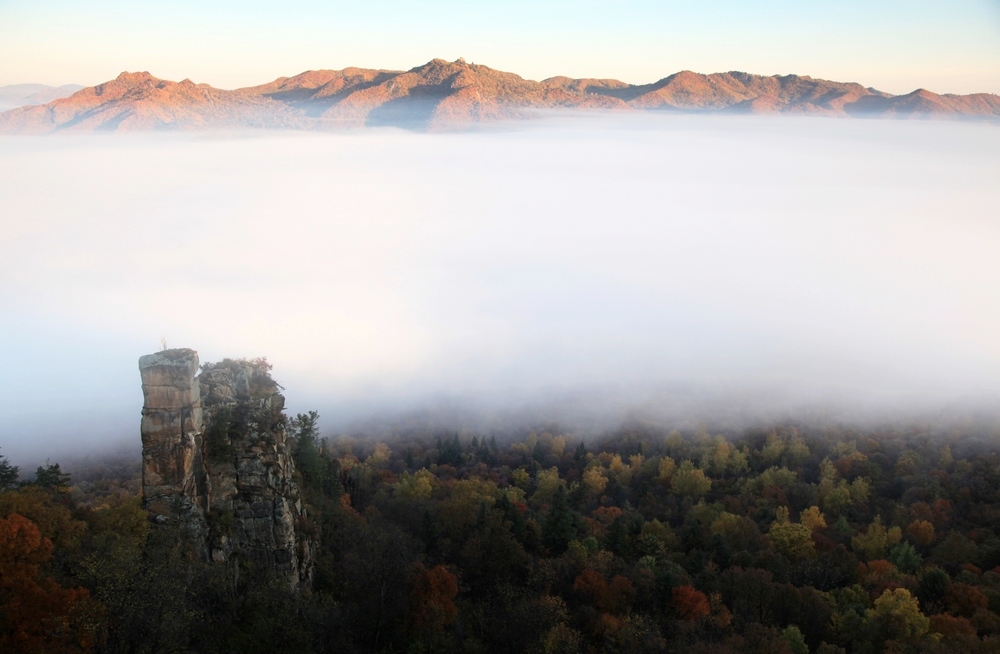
(586, 270)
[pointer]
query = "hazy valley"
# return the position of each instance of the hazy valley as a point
(451, 360)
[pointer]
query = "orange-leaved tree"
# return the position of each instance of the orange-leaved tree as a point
(434, 592)
(38, 615)
(612, 597)
(689, 602)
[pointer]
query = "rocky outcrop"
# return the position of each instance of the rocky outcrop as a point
(172, 425)
(216, 459)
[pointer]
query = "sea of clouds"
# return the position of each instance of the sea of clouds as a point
(583, 269)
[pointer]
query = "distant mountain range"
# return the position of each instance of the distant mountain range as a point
(443, 94)
(19, 95)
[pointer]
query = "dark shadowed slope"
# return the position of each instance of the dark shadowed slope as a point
(440, 94)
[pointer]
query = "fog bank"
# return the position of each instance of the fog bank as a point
(586, 269)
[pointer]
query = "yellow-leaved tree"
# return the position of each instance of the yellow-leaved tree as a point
(813, 518)
(417, 486)
(873, 543)
(690, 481)
(791, 539)
(896, 615)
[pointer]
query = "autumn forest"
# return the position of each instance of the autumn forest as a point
(786, 540)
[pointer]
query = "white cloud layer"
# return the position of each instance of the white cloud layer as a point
(653, 260)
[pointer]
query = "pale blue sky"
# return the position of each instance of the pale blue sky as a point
(895, 45)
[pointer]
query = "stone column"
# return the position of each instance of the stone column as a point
(171, 436)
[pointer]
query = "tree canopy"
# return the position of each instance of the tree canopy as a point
(785, 540)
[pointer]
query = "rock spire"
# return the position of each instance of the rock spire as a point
(217, 461)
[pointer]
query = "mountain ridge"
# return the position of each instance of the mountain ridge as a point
(19, 95)
(443, 95)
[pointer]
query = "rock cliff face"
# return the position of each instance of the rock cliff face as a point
(216, 459)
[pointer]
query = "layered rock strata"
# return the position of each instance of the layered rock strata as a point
(217, 461)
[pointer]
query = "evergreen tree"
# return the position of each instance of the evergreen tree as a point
(560, 524)
(513, 516)
(307, 449)
(51, 476)
(616, 537)
(428, 532)
(8, 474)
(539, 452)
